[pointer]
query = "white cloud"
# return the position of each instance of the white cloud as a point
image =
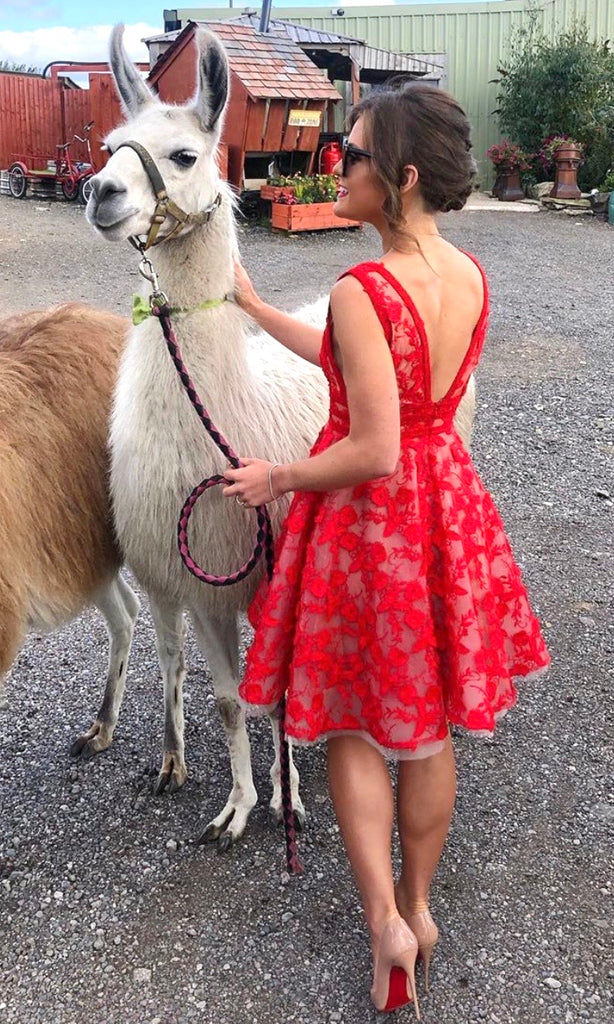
(43, 45)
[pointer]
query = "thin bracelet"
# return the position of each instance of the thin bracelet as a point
(273, 498)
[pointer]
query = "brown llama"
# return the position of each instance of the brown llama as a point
(58, 552)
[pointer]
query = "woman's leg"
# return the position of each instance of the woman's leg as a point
(425, 802)
(362, 796)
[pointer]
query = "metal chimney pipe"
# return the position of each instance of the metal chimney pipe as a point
(265, 15)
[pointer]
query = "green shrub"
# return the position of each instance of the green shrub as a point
(607, 185)
(565, 87)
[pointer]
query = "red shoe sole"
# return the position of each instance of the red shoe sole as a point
(397, 990)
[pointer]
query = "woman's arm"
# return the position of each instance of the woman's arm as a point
(300, 338)
(371, 449)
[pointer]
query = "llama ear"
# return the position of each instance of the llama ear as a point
(213, 77)
(132, 90)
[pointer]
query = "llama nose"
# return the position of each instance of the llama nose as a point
(105, 188)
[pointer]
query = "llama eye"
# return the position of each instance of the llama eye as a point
(184, 158)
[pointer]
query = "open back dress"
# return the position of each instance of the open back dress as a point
(396, 606)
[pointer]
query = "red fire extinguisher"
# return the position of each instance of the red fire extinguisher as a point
(330, 155)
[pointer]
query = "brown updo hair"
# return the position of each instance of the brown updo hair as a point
(418, 124)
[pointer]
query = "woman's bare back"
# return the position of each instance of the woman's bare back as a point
(447, 289)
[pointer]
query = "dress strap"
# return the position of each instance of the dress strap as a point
(362, 273)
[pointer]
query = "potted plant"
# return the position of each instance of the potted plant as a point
(565, 155)
(276, 184)
(509, 161)
(309, 207)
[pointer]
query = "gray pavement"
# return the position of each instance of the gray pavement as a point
(108, 911)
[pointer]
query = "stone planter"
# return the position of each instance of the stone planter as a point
(566, 161)
(599, 204)
(273, 192)
(308, 217)
(507, 187)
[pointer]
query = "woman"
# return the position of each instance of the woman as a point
(396, 606)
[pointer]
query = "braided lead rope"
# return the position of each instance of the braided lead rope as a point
(264, 541)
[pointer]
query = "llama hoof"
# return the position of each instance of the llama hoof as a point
(229, 825)
(78, 745)
(172, 775)
(225, 842)
(92, 742)
(277, 814)
(214, 830)
(299, 819)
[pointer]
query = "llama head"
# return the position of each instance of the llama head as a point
(181, 141)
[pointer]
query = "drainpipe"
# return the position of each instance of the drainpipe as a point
(265, 15)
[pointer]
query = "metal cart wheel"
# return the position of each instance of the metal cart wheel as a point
(18, 182)
(85, 189)
(70, 189)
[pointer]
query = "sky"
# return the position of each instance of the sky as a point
(34, 32)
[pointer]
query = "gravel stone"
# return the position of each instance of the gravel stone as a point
(141, 976)
(525, 882)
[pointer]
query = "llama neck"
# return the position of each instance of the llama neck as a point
(198, 265)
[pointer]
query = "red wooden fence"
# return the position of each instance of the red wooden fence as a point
(38, 114)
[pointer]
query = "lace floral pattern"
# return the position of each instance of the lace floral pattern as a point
(396, 606)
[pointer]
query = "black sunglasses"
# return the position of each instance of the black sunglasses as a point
(352, 155)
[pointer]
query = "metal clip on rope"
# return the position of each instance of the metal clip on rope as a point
(157, 299)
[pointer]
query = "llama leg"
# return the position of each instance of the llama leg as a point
(297, 803)
(120, 607)
(12, 630)
(170, 636)
(219, 642)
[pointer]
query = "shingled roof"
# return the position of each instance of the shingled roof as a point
(269, 65)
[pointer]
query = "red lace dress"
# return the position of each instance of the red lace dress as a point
(396, 606)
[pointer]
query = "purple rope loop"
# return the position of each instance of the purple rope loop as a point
(264, 542)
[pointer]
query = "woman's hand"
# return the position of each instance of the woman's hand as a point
(245, 294)
(253, 484)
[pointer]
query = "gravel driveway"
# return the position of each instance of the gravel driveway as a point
(110, 914)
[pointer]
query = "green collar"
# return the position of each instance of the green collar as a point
(141, 308)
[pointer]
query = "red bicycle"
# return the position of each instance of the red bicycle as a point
(73, 176)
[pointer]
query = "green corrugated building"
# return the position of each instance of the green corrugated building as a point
(474, 37)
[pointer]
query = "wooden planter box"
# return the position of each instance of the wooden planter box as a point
(273, 192)
(308, 217)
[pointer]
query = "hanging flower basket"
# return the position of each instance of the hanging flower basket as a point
(308, 217)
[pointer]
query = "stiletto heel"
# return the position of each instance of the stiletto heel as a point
(427, 934)
(394, 968)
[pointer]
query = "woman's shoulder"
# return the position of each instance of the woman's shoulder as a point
(359, 269)
(468, 259)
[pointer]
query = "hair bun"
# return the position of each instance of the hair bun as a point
(456, 203)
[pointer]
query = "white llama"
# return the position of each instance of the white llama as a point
(57, 549)
(266, 401)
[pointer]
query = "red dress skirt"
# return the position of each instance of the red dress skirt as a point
(396, 606)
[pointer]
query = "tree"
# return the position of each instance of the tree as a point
(25, 69)
(565, 87)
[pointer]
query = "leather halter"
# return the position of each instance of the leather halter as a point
(165, 207)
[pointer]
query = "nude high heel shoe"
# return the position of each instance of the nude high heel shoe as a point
(427, 934)
(394, 983)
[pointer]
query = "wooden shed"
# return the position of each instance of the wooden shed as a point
(278, 98)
